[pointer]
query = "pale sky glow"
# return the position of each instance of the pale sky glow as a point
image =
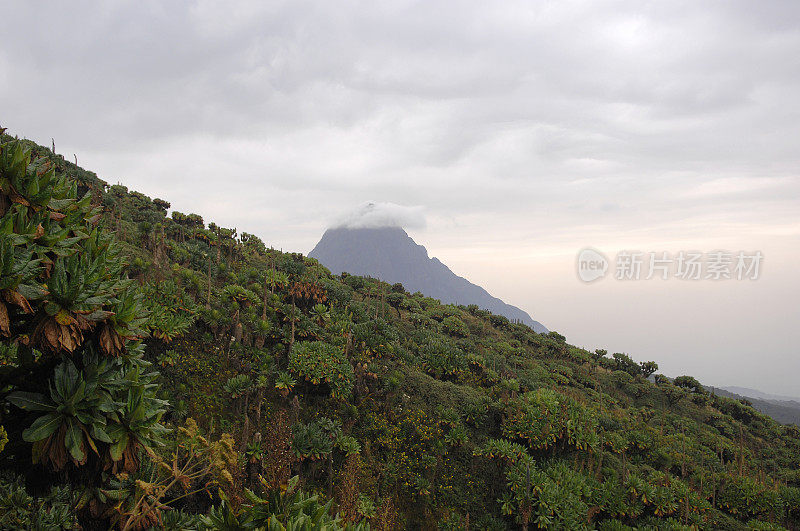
(523, 131)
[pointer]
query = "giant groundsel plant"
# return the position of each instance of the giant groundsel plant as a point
(78, 397)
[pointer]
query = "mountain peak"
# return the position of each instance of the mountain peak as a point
(390, 254)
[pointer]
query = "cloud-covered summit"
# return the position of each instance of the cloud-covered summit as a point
(375, 214)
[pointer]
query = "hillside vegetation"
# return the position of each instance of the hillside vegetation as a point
(160, 371)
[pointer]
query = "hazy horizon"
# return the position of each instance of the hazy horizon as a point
(515, 135)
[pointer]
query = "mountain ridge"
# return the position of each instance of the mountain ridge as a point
(761, 395)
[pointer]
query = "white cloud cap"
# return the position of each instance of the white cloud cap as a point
(373, 215)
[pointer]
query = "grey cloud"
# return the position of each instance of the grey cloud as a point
(514, 123)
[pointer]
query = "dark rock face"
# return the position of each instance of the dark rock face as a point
(388, 253)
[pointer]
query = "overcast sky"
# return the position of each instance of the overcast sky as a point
(521, 131)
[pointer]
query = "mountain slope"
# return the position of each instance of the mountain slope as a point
(404, 412)
(390, 254)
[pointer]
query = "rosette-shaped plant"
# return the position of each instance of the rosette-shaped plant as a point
(80, 397)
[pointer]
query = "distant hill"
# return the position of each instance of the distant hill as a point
(754, 393)
(390, 254)
(784, 411)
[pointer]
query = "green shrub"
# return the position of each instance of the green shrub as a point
(455, 327)
(322, 363)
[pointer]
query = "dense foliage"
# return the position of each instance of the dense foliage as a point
(326, 402)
